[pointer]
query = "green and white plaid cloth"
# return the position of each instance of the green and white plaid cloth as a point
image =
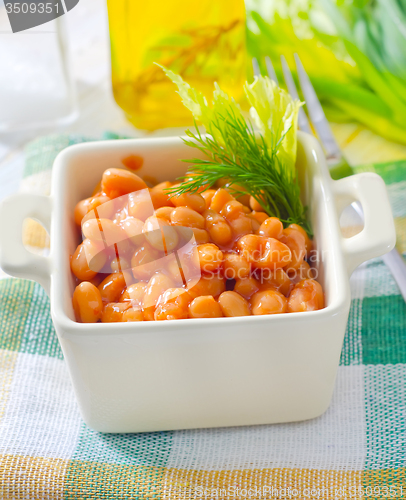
(357, 449)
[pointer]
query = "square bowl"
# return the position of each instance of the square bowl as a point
(191, 373)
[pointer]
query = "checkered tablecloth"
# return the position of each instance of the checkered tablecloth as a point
(358, 447)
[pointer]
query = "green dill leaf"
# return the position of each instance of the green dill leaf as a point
(262, 165)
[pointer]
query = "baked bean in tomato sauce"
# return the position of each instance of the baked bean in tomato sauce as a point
(239, 261)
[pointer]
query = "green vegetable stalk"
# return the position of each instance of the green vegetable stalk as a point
(353, 51)
(261, 165)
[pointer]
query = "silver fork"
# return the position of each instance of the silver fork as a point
(336, 161)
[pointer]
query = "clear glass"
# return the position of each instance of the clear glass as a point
(203, 41)
(36, 89)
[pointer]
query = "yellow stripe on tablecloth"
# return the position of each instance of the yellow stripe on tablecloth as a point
(361, 146)
(37, 478)
(400, 224)
(33, 478)
(34, 235)
(350, 231)
(94, 480)
(384, 483)
(7, 363)
(261, 484)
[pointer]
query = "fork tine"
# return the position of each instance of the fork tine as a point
(302, 120)
(316, 113)
(270, 70)
(255, 67)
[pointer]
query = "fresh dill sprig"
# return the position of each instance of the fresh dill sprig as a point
(233, 150)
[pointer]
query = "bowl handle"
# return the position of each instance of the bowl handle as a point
(378, 235)
(15, 259)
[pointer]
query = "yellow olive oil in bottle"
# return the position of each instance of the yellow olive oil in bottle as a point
(202, 40)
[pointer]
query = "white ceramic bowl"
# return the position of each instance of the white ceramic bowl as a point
(150, 376)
